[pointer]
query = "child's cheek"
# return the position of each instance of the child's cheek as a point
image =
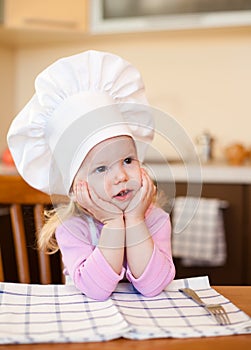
(98, 187)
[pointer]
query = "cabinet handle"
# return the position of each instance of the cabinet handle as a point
(50, 22)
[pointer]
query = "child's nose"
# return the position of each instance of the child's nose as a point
(120, 175)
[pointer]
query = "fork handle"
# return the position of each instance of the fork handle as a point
(193, 295)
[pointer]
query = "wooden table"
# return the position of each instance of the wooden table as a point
(240, 296)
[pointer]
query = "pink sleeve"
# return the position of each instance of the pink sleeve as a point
(85, 264)
(160, 270)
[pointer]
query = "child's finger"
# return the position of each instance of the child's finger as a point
(82, 193)
(149, 189)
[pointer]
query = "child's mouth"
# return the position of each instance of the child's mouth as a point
(123, 195)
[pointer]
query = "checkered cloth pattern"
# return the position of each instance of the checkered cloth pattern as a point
(202, 241)
(60, 313)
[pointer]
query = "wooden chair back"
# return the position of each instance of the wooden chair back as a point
(14, 193)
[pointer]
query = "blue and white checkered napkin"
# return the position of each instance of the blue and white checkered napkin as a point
(60, 313)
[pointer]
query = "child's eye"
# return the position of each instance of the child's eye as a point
(128, 160)
(101, 169)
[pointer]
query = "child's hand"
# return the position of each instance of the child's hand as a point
(102, 210)
(142, 200)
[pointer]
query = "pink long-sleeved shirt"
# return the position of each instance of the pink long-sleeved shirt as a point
(92, 274)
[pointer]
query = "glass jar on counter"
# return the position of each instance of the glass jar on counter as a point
(204, 143)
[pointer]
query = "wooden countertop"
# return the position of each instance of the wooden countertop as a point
(211, 172)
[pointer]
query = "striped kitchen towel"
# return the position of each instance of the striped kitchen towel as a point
(61, 313)
(202, 240)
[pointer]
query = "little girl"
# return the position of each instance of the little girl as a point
(84, 134)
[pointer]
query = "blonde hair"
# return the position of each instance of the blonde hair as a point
(53, 218)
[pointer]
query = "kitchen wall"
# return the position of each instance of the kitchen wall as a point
(7, 91)
(202, 78)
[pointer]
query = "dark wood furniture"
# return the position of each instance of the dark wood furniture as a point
(22, 209)
(237, 221)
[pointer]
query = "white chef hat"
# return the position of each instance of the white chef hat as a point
(79, 101)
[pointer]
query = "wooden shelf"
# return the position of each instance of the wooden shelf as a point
(29, 22)
(24, 37)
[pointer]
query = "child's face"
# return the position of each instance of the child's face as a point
(112, 170)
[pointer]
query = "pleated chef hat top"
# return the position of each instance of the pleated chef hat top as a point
(79, 101)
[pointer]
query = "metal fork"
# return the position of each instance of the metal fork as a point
(215, 310)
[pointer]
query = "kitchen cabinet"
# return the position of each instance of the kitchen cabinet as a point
(247, 252)
(236, 214)
(52, 15)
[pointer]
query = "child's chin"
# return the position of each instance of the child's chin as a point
(122, 206)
